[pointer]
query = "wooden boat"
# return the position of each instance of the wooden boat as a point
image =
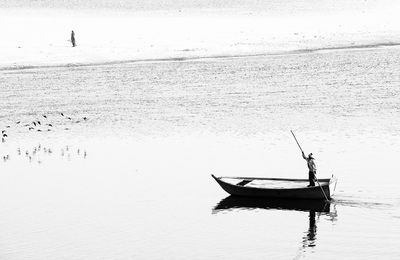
(248, 203)
(277, 187)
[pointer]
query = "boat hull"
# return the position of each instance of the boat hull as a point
(289, 193)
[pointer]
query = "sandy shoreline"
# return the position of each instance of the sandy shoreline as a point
(41, 38)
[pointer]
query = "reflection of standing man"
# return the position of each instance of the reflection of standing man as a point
(312, 229)
(73, 39)
(309, 240)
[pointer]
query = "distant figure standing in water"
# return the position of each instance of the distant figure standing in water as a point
(312, 169)
(73, 39)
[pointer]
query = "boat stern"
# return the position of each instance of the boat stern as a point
(332, 184)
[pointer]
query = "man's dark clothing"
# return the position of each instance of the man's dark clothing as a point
(311, 178)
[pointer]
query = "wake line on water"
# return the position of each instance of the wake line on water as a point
(205, 57)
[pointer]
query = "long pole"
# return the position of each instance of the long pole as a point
(315, 177)
(296, 141)
(321, 188)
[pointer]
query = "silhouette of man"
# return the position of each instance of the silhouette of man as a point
(73, 39)
(312, 169)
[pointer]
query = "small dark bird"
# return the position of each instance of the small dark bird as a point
(44, 116)
(34, 123)
(85, 118)
(69, 118)
(27, 125)
(48, 130)
(3, 131)
(50, 125)
(38, 122)
(5, 135)
(39, 130)
(18, 122)
(30, 128)
(8, 126)
(62, 114)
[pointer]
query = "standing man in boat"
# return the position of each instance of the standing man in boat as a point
(312, 169)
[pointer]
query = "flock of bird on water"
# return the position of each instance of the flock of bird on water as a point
(43, 125)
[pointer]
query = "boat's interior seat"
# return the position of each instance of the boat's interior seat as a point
(243, 182)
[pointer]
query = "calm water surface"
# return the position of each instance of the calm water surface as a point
(133, 180)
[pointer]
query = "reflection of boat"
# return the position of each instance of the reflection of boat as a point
(276, 188)
(236, 202)
(313, 207)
